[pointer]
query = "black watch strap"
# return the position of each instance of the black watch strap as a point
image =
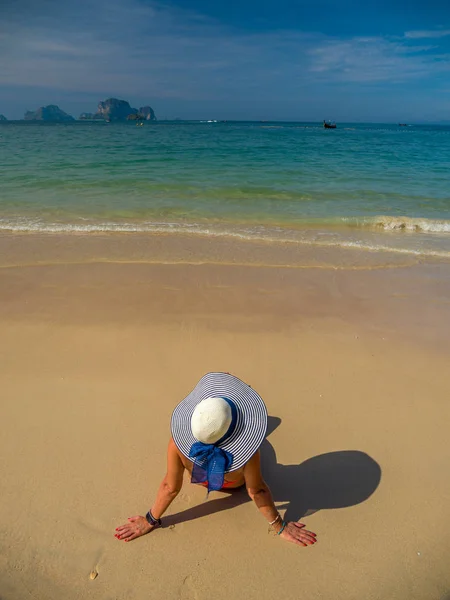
(151, 519)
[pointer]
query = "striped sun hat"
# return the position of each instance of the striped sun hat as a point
(250, 418)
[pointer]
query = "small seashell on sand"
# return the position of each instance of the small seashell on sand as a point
(93, 574)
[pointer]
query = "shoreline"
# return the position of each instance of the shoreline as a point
(422, 237)
(401, 296)
(214, 247)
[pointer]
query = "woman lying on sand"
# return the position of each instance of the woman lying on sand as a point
(216, 434)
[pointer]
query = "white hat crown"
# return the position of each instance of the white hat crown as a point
(211, 420)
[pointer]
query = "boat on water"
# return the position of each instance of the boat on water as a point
(329, 125)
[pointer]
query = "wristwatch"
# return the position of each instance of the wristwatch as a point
(151, 519)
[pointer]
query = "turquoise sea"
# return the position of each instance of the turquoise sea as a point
(371, 186)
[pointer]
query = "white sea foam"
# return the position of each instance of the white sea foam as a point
(409, 224)
(383, 223)
(273, 234)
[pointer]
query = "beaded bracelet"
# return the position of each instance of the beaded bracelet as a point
(275, 520)
(283, 525)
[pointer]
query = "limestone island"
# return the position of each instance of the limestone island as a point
(114, 109)
(3, 118)
(50, 113)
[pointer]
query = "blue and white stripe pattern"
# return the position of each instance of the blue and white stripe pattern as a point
(251, 425)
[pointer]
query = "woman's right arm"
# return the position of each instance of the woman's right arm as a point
(167, 492)
(171, 484)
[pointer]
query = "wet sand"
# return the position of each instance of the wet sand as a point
(101, 336)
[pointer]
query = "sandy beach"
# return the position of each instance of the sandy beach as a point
(101, 336)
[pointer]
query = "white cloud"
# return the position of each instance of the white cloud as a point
(433, 33)
(376, 59)
(123, 48)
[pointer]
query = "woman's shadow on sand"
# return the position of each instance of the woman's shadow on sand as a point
(332, 480)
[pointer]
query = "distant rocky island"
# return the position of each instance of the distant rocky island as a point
(48, 113)
(108, 110)
(113, 109)
(3, 118)
(145, 113)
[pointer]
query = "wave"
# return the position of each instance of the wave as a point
(409, 224)
(267, 234)
(37, 226)
(377, 223)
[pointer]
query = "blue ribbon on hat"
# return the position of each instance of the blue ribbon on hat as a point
(211, 462)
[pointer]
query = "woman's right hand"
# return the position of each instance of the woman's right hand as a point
(297, 534)
(135, 527)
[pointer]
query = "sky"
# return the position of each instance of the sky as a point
(344, 60)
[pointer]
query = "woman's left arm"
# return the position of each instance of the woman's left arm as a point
(167, 492)
(259, 492)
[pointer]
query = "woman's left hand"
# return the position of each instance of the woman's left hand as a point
(135, 527)
(297, 534)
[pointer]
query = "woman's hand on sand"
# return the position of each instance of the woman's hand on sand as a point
(135, 527)
(297, 534)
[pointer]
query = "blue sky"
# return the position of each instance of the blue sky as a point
(345, 60)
